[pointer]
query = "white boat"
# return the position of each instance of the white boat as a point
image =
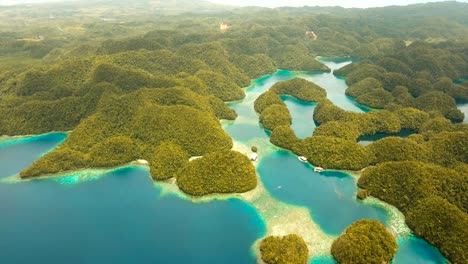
(253, 157)
(302, 159)
(319, 169)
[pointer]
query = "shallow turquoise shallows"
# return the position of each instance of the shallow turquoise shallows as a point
(418, 251)
(302, 116)
(329, 196)
(121, 217)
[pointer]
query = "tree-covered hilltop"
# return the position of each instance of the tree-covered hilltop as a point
(273, 111)
(433, 199)
(132, 125)
(147, 80)
(420, 76)
(301, 89)
(365, 241)
(217, 172)
(290, 249)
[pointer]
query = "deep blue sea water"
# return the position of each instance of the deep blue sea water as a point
(121, 217)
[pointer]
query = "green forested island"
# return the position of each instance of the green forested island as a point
(281, 250)
(365, 241)
(150, 82)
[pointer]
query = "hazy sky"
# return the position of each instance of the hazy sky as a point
(344, 3)
(276, 3)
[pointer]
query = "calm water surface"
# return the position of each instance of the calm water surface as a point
(122, 217)
(369, 139)
(329, 196)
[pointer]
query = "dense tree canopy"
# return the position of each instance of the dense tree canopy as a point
(150, 83)
(217, 172)
(332, 152)
(301, 89)
(290, 249)
(365, 241)
(167, 159)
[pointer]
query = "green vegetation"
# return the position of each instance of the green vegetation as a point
(284, 137)
(254, 149)
(433, 199)
(411, 118)
(114, 151)
(290, 249)
(344, 130)
(418, 76)
(332, 152)
(145, 119)
(221, 86)
(442, 224)
(147, 80)
(267, 99)
(273, 111)
(368, 123)
(365, 241)
(301, 89)
(370, 92)
(398, 149)
(404, 183)
(218, 172)
(438, 101)
(168, 158)
(274, 116)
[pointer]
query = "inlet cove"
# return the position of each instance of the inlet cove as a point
(87, 205)
(188, 131)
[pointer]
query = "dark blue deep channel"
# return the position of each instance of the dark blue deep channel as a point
(121, 217)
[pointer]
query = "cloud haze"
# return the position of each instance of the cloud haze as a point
(276, 3)
(343, 3)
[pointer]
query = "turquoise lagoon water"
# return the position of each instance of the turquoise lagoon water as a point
(329, 196)
(120, 217)
(302, 116)
(17, 154)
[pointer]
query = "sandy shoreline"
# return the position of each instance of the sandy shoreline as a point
(279, 218)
